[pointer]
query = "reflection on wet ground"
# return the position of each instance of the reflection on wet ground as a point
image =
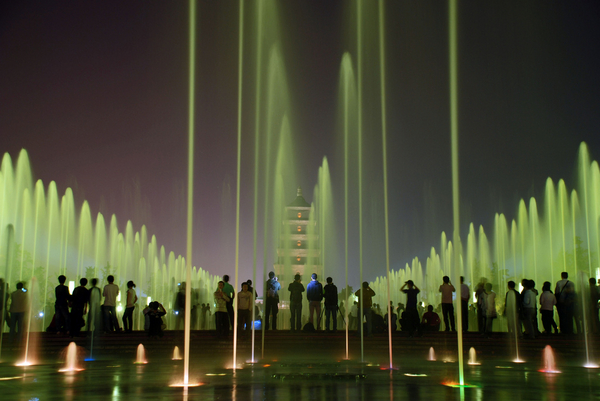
(296, 379)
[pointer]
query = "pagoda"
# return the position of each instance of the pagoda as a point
(298, 251)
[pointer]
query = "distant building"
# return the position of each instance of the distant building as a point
(298, 251)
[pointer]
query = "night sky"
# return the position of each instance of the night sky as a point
(96, 92)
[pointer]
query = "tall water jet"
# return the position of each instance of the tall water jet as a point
(453, 55)
(238, 178)
(140, 358)
(71, 359)
(190, 189)
(385, 176)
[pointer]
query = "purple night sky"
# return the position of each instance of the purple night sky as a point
(96, 92)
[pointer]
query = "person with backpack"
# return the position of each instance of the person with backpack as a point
(272, 301)
(565, 303)
(296, 289)
(314, 294)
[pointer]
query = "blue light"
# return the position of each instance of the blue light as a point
(257, 325)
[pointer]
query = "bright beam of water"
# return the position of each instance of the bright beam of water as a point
(239, 160)
(190, 199)
(256, 161)
(455, 189)
(360, 211)
(385, 177)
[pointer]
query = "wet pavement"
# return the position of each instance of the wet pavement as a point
(294, 378)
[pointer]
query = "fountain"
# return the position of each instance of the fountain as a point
(473, 357)
(548, 360)
(140, 356)
(71, 359)
(176, 354)
(431, 356)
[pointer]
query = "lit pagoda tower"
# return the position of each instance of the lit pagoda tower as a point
(298, 251)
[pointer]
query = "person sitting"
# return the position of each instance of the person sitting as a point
(431, 320)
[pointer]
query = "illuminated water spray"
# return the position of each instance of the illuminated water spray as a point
(455, 189)
(190, 199)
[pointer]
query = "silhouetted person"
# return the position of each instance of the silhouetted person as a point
(393, 320)
(365, 299)
(95, 315)
(490, 309)
(296, 289)
(61, 306)
(547, 302)
(431, 320)
(565, 303)
(447, 306)
(80, 299)
(230, 292)
(465, 294)
(155, 312)
(272, 301)
(512, 308)
(593, 306)
(4, 296)
(411, 315)
(529, 306)
(129, 307)
(314, 294)
(19, 303)
(480, 297)
(180, 306)
(109, 308)
(331, 303)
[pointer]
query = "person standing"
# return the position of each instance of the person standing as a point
(296, 289)
(447, 307)
(80, 299)
(129, 307)
(512, 308)
(314, 294)
(272, 301)
(61, 306)
(221, 315)
(331, 303)
(547, 302)
(365, 299)
(411, 313)
(19, 303)
(95, 315)
(464, 303)
(230, 292)
(529, 306)
(109, 308)
(490, 309)
(593, 306)
(353, 316)
(244, 301)
(565, 303)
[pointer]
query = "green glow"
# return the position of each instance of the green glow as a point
(256, 155)
(455, 189)
(346, 195)
(360, 211)
(190, 199)
(239, 166)
(385, 177)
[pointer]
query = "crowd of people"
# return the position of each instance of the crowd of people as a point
(519, 308)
